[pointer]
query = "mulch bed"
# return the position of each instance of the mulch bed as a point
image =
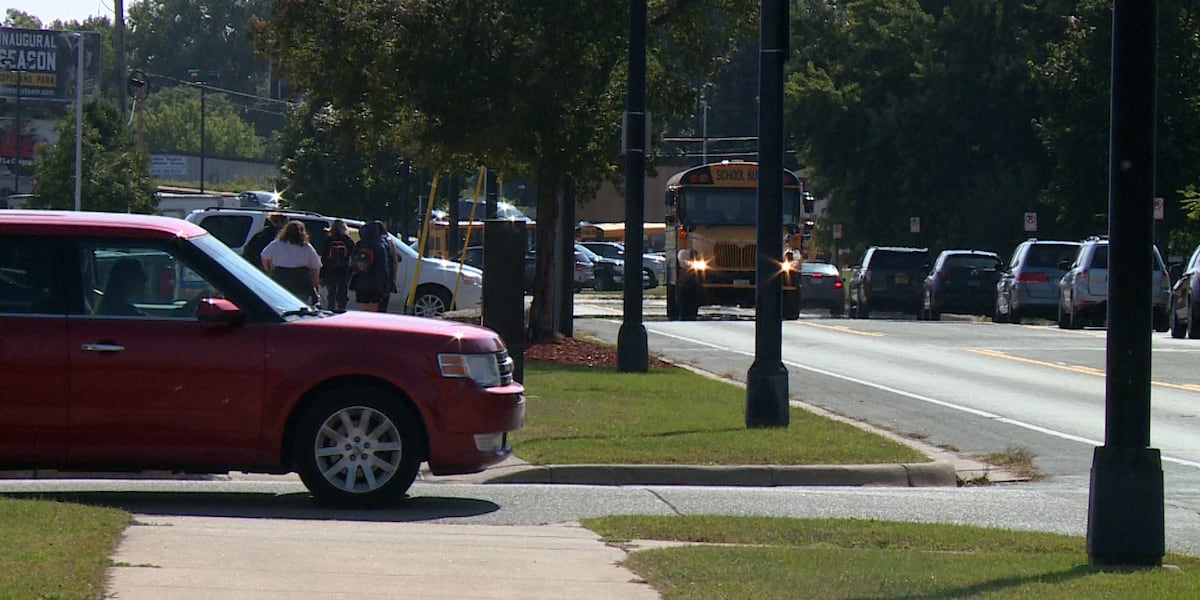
(572, 351)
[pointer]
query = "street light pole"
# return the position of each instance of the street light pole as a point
(195, 73)
(78, 121)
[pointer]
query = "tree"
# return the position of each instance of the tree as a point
(535, 86)
(115, 175)
(333, 163)
(903, 108)
(172, 124)
(21, 19)
(171, 38)
(1076, 78)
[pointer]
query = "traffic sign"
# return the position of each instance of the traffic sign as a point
(837, 231)
(914, 224)
(1030, 221)
(1158, 209)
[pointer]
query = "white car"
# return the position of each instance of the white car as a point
(441, 285)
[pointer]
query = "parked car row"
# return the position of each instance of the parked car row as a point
(1052, 279)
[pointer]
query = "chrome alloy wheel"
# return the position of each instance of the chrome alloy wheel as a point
(358, 449)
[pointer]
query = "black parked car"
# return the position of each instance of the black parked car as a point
(963, 282)
(889, 278)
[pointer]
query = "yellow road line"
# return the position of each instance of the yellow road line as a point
(1187, 387)
(843, 329)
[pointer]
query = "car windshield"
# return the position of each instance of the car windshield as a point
(898, 260)
(822, 268)
(1050, 255)
(276, 296)
(592, 256)
(609, 250)
(973, 261)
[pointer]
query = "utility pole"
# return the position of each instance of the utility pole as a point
(119, 17)
(199, 82)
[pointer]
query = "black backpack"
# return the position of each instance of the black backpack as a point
(364, 258)
(337, 256)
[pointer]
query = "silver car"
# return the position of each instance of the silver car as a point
(1028, 287)
(1083, 290)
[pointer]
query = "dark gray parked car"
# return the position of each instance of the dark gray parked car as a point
(822, 286)
(889, 279)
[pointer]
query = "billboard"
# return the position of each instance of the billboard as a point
(43, 62)
(38, 69)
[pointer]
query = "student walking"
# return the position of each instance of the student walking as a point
(369, 268)
(335, 266)
(252, 251)
(393, 262)
(294, 263)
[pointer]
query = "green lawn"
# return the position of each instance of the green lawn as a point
(56, 549)
(770, 557)
(674, 416)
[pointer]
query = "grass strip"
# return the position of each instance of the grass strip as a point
(56, 549)
(777, 557)
(578, 414)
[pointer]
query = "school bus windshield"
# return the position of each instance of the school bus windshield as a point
(730, 206)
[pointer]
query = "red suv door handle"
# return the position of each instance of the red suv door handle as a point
(102, 347)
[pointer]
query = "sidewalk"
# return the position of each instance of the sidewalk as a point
(201, 558)
(173, 557)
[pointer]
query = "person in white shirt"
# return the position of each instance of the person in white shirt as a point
(293, 262)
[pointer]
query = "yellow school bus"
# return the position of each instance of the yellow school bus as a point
(712, 249)
(653, 234)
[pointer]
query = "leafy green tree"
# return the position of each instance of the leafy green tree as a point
(172, 124)
(1076, 79)
(115, 175)
(169, 39)
(334, 163)
(21, 19)
(909, 109)
(533, 86)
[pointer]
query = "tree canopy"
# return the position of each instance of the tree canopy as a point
(115, 175)
(536, 87)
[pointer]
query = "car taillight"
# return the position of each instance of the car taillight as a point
(837, 284)
(816, 275)
(1031, 277)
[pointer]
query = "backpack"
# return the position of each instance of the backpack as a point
(364, 258)
(337, 256)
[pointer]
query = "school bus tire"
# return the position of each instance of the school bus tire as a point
(672, 308)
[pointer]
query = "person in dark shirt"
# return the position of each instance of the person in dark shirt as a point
(254, 247)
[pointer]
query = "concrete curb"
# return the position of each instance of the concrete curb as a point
(933, 474)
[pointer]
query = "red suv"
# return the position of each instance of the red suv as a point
(132, 342)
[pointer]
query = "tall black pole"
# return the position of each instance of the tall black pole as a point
(767, 380)
(1125, 509)
(632, 348)
(119, 51)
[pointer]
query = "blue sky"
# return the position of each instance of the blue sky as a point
(67, 10)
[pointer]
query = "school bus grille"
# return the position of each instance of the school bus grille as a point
(732, 256)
